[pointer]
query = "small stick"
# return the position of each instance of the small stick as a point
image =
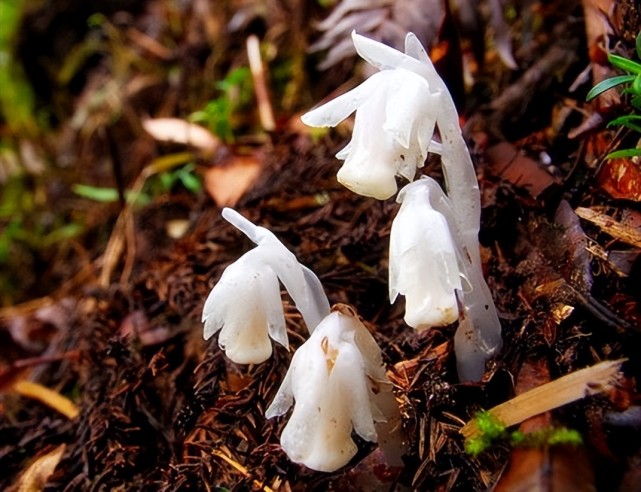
(569, 388)
(265, 112)
(611, 226)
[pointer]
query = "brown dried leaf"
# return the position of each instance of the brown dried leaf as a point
(597, 30)
(35, 477)
(547, 469)
(509, 163)
(227, 184)
(621, 178)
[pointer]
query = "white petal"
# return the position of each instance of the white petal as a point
(423, 261)
(349, 373)
(336, 110)
(301, 283)
(407, 106)
(373, 160)
(378, 54)
(415, 49)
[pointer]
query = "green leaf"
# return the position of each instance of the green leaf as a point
(108, 195)
(618, 154)
(629, 121)
(190, 181)
(636, 85)
(638, 45)
(624, 64)
(606, 84)
(96, 193)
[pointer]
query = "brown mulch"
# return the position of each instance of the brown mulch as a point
(161, 409)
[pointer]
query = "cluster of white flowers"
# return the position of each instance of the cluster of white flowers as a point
(434, 246)
(337, 379)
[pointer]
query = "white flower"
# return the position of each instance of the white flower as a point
(338, 383)
(395, 118)
(246, 302)
(423, 257)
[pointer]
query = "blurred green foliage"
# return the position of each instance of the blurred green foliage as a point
(161, 183)
(219, 114)
(16, 95)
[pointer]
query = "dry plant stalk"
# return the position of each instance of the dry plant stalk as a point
(611, 226)
(569, 388)
(265, 112)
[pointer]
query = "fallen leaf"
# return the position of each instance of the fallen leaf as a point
(621, 178)
(183, 132)
(228, 182)
(507, 162)
(545, 468)
(35, 477)
(47, 396)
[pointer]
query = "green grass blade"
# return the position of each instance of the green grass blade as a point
(619, 154)
(625, 64)
(607, 84)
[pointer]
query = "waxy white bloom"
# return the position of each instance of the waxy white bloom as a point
(423, 257)
(338, 383)
(245, 304)
(395, 118)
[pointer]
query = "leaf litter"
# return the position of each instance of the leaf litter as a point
(116, 329)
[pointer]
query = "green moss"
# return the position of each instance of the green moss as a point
(493, 431)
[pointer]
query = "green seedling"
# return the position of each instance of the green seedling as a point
(218, 114)
(632, 86)
(185, 175)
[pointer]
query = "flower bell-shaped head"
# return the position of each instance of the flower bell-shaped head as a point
(395, 118)
(338, 383)
(423, 258)
(245, 304)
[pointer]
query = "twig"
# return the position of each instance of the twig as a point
(265, 112)
(569, 388)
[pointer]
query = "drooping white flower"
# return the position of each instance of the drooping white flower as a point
(245, 304)
(337, 383)
(423, 258)
(392, 131)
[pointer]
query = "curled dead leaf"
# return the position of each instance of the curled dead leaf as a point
(35, 477)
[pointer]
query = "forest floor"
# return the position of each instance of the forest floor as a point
(111, 239)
